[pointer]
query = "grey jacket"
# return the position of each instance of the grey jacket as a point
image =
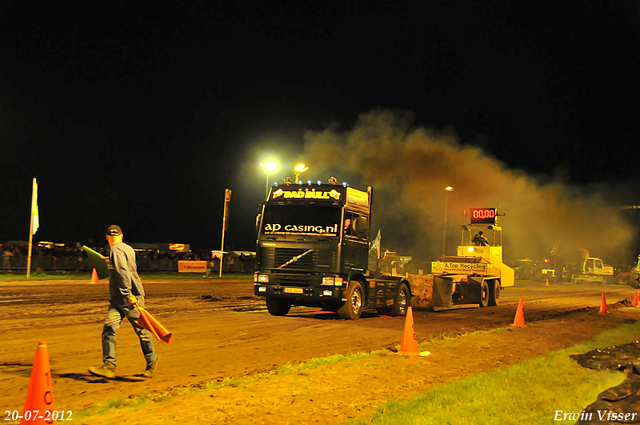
(123, 274)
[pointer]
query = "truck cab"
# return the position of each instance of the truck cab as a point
(313, 250)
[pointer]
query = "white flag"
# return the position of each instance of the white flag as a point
(375, 245)
(34, 208)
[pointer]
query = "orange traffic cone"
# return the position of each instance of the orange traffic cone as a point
(94, 276)
(409, 346)
(635, 299)
(519, 319)
(40, 393)
(156, 328)
(547, 284)
(603, 305)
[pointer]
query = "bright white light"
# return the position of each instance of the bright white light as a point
(270, 166)
(448, 188)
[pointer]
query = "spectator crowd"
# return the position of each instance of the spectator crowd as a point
(69, 258)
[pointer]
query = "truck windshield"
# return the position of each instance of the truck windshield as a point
(301, 220)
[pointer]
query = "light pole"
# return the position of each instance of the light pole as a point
(300, 168)
(270, 167)
(448, 190)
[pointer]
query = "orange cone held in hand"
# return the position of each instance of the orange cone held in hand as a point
(40, 392)
(603, 305)
(409, 346)
(519, 319)
(94, 276)
(156, 328)
(635, 299)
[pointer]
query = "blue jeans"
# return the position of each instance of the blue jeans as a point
(115, 314)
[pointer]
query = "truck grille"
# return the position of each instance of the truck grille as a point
(315, 261)
(292, 280)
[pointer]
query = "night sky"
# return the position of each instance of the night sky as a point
(141, 113)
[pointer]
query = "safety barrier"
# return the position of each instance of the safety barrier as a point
(45, 263)
(83, 264)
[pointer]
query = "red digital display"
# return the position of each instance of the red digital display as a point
(483, 215)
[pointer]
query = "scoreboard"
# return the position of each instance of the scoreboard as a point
(483, 215)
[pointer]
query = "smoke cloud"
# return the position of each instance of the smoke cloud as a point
(409, 168)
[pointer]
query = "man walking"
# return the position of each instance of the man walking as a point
(126, 291)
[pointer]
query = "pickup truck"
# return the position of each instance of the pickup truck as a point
(591, 270)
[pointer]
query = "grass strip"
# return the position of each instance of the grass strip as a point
(531, 392)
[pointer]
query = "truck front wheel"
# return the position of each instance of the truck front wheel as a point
(352, 307)
(278, 306)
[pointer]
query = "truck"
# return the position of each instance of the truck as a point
(634, 274)
(312, 250)
(591, 270)
(622, 274)
(477, 273)
(528, 269)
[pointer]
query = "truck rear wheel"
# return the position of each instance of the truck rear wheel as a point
(352, 307)
(484, 294)
(494, 293)
(401, 302)
(278, 306)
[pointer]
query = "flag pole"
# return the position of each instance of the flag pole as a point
(34, 206)
(227, 198)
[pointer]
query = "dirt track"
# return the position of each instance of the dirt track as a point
(222, 330)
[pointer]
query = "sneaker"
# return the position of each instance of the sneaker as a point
(150, 372)
(105, 370)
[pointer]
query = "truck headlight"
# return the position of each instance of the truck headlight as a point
(263, 278)
(328, 280)
(331, 280)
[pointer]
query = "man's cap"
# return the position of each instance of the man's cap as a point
(114, 230)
